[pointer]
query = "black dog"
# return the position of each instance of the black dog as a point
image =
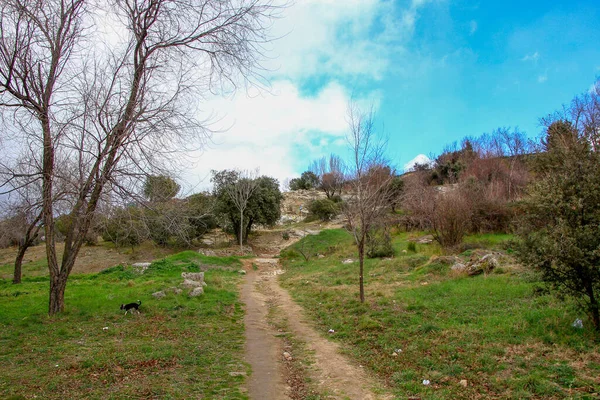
(130, 306)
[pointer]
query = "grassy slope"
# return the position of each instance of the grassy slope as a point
(491, 331)
(178, 347)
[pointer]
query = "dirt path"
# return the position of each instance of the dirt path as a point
(330, 373)
(262, 347)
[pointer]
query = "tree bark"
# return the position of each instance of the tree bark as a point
(30, 235)
(594, 308)
(361, 261)
(57, 294)
(18, 265)
(241, 229)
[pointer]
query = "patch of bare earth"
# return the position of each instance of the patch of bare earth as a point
(317, 368)
(90, 259)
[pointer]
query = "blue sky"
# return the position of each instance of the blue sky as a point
(436, 71)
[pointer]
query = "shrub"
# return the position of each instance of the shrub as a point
(451, 218)
(125, 228)
(379, 243)
(324, 209)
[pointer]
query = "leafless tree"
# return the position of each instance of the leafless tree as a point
(369, 178)
(240, 193)
(122, 110)
(330, 172)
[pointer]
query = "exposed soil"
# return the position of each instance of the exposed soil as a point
(329, 372)
(90, 259)
(262, 347)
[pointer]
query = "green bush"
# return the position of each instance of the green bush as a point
(324, 209)
(379, 243)
(125, 228)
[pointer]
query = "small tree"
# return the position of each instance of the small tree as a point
(559, 231)
(324, 209)
(240, 193)
(308, 180)
(263, 206)
(330, 174)
(370, 181)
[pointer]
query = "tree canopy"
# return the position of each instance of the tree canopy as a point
(559, 232)
(263, 206)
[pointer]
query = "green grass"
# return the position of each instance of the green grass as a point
(177, 347)
(493, 331)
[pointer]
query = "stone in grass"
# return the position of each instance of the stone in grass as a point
(159, 295)
(237, 373)
(193, 276)
(348, 261)
(176, 290)
(189, 284)
(287, 356)
(197, 292)
(459, 267)
(577, 324)
(241, 271)
(463, 383)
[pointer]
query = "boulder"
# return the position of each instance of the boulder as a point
(425, 239)
(159, 295)
(188, 283)
(197, 291)
(193, 276)
(485, 264)
(458, 267)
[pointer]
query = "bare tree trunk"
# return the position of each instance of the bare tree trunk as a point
(27, 241)
(361, 261)
(57, 294)
(241, 230)
(18, 265)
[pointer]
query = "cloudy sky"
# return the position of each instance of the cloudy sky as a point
(435, 71)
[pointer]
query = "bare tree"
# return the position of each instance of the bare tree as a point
(370, 179)
(124, 110)
(330, 172)
(240, 193)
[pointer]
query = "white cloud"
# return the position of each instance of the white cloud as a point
(420, 159)
(531, 57)
(276, 132)
(324, 41)
(340, 38)
(542, 78)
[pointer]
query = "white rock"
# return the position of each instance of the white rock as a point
(141, 265)
(331, 331)
(193, 276)
(197, 292)
(159, 295)
(458, 267)
(426, 382)
(188, 283)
